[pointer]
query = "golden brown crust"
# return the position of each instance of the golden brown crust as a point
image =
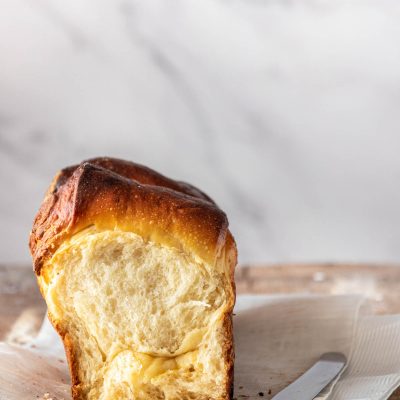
(72, 358)
(137, 172)
(113, 194)
(116, 194)
(229, 354)
(229, 347)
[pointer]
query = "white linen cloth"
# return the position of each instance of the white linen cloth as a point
(277, 338)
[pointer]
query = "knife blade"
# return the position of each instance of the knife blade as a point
(311, 383)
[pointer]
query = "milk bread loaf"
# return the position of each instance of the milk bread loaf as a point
(137, 271)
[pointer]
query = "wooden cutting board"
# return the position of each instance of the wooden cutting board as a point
(22, 308)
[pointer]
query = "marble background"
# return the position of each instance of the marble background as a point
(286, 111)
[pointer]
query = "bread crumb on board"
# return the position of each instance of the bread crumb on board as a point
(47, 396)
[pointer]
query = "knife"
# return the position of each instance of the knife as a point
(311, 383)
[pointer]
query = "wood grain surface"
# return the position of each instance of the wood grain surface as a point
(20, 300)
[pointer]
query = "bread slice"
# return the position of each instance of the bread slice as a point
(137, 272)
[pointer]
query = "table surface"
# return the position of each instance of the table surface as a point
(20, 300)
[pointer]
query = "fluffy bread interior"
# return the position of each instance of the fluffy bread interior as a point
(141, 320)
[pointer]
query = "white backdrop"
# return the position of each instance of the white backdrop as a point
(286, 112)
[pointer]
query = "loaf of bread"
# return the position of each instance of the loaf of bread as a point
(137, 273)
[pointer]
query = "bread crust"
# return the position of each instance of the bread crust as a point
(115, 194)
(228, 345)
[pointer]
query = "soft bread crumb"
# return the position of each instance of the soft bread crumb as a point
(144, 320)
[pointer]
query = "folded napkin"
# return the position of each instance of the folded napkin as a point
(374, 367)
(277, 338)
